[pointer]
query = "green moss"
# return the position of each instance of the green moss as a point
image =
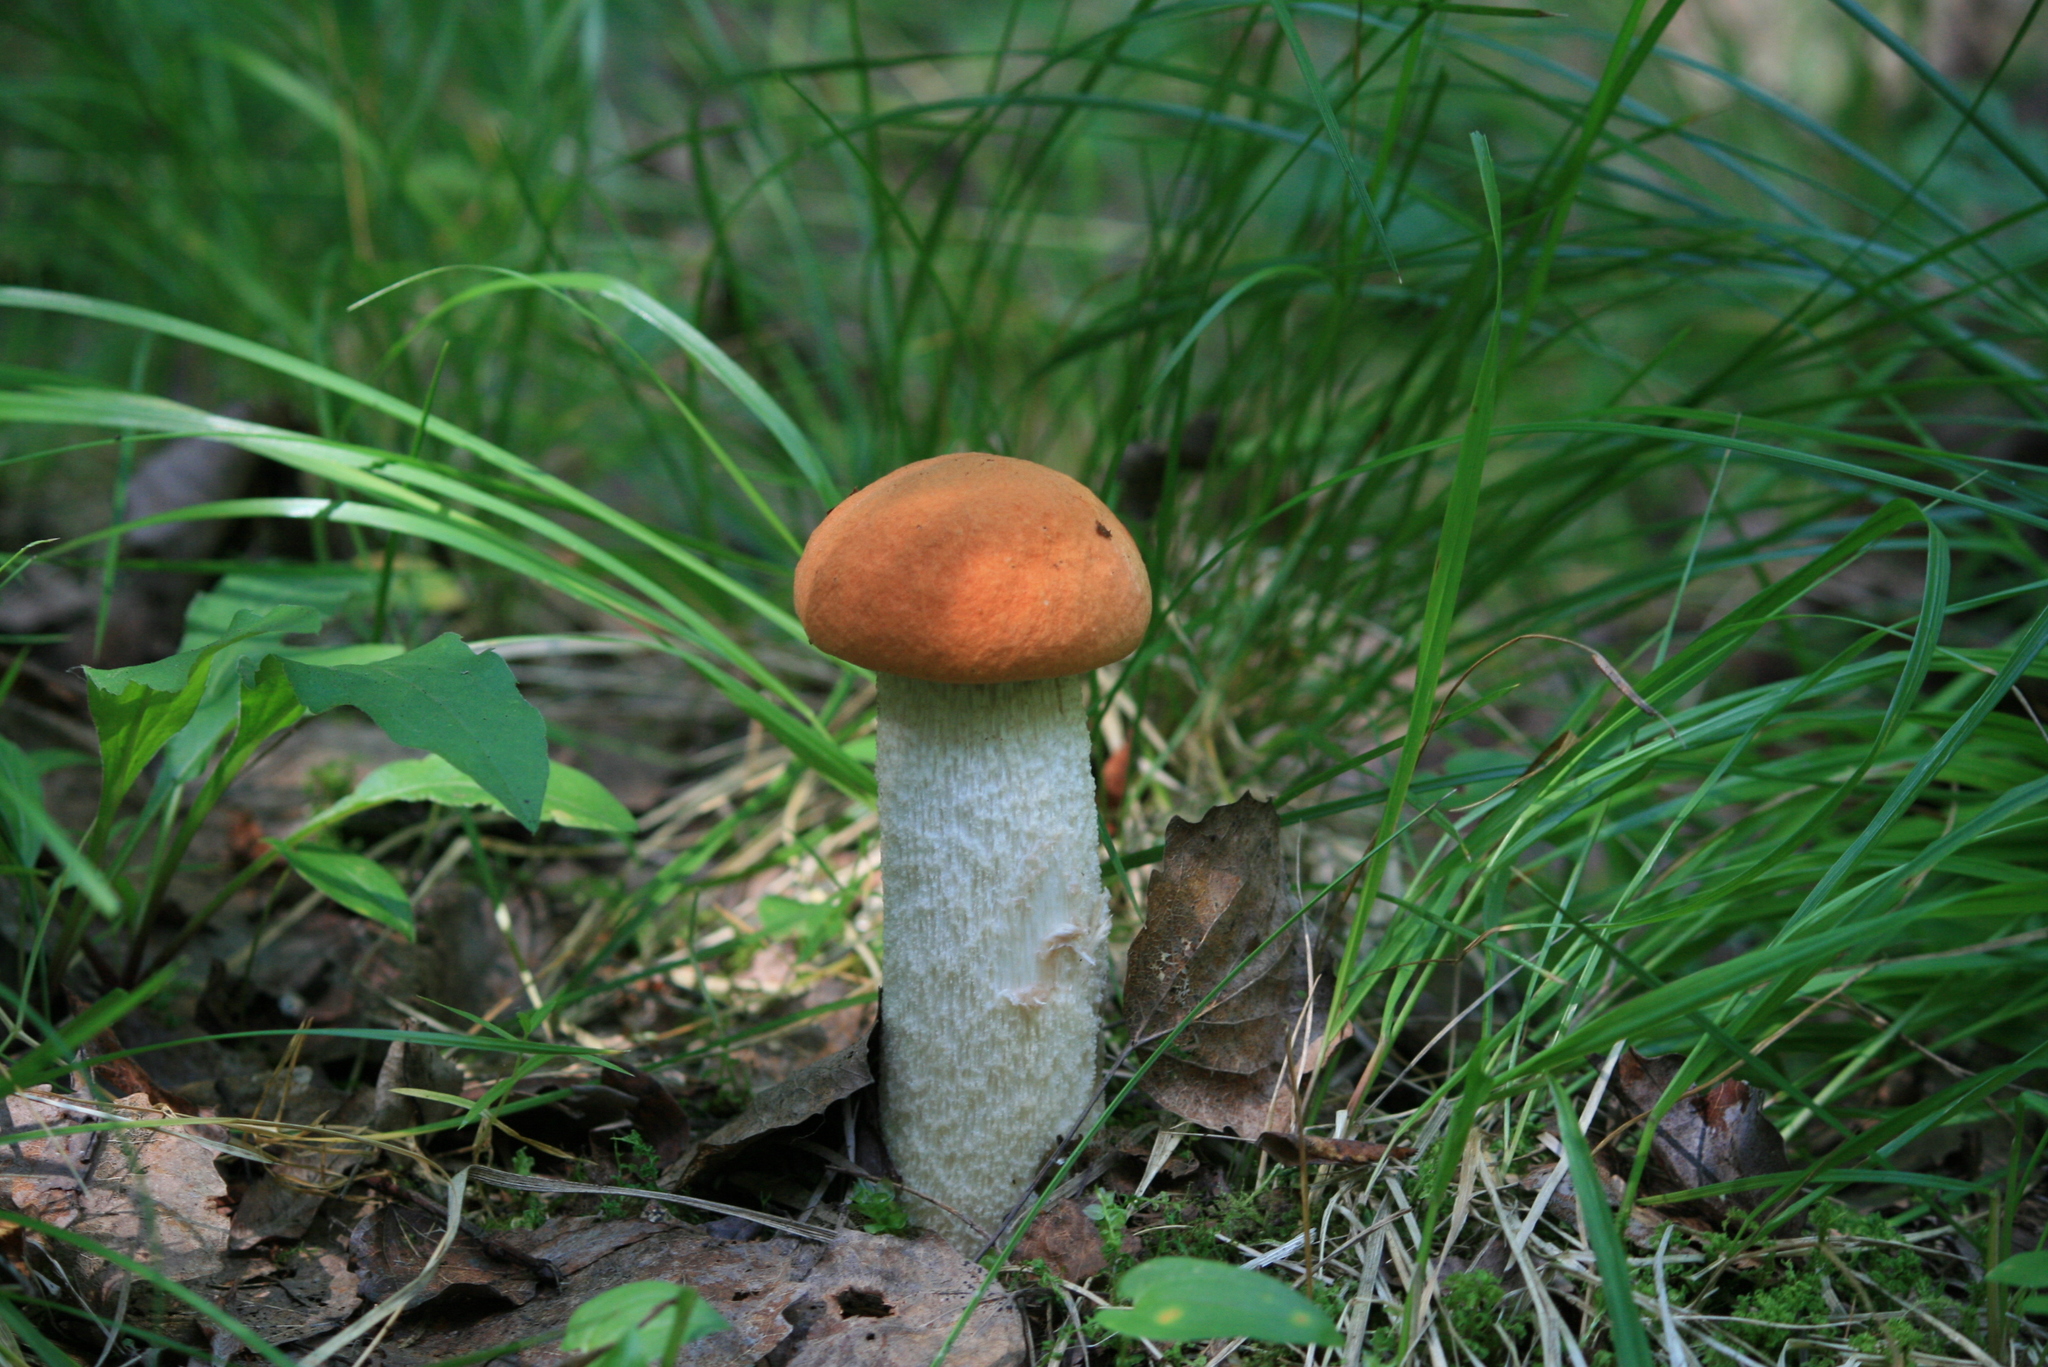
(1790, 1292)
(639, 1166)
(1894, 1338)
(1183, 1224)
(876, 1207)
(1471, 1304)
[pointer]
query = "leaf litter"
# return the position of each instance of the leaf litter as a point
(148, 1192)
(1213, 961)
(1514, 1224)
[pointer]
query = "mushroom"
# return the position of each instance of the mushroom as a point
(981, 590)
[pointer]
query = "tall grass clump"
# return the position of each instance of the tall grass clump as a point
(1600, 498)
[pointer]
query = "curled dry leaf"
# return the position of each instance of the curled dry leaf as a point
(801, 1097)
(1297, 1149)
(656, 1115)
(1218, 895)
(1717, 1135)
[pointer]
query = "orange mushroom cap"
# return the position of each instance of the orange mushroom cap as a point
(973, 568)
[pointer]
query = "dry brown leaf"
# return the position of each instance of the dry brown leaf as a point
(150, 1193)
(1714, 1136)
(281, 1204)
(1066, 1238)
(391, 1244)
(1218, 895)
(318, 1297)
(656, 1115)
(574, 1242)
(880, 1302)
(803, 1096)
(43, 1175)
(1297, 1149)
(865, 1299)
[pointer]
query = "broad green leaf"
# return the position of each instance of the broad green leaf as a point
(138, 709)
(809, 923)
(1175, 1299)
(355, 881)
(640, 1322)
(573, 797)
(263, 706)
(2028, 1270)
(187, 752)
(446, 698)
(576, 799)
(267, 702)
(326, 589)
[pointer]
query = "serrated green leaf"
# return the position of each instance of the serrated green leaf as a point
(1175, 1299)
(446, 698)
(355, 881)
(573, 797)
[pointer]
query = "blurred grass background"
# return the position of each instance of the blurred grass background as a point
(1749, 272)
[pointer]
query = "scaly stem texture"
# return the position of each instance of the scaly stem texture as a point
(996, 931)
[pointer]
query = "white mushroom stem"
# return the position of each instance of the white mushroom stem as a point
(995, 934)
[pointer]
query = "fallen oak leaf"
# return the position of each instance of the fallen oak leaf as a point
(317, 1298)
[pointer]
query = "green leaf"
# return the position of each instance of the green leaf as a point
(1175, 1299)
(57, 1054)
(28, 826)
(446, 698)
(811, 924)
(2028, 1270)
(640, 1322)
(357, 882)
(1631, 1343)
(138, 709)
(576, 799)
(327, 589)
(22, 814)
(573, 797)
